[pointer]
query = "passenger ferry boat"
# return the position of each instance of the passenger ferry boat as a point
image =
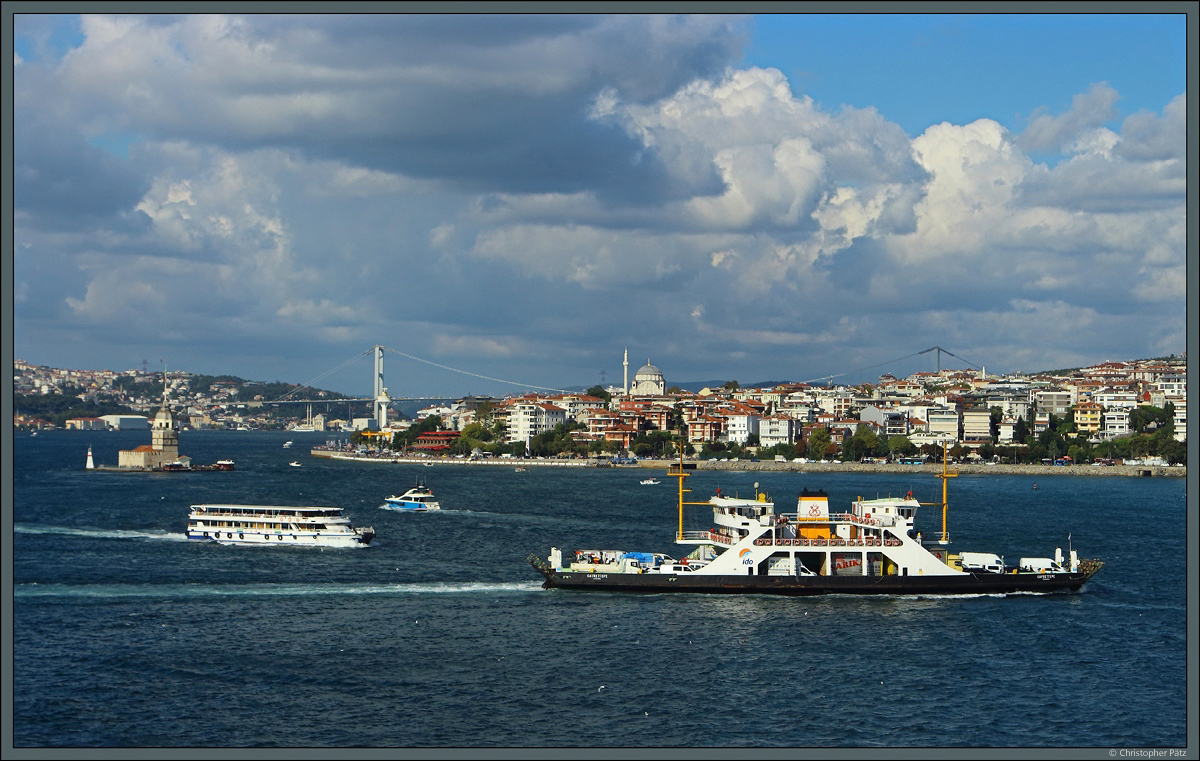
(418, 499)
(871, 548)
(275, 525)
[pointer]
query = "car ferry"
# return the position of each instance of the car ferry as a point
(418, 499)
(870, 548)
(275, 525)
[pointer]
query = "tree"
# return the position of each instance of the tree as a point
(731, 385)
(599, 392)
(477, 431)
(1020, 431)
(819, 442)
(1169, 418)
(898, 446)
(861, 444)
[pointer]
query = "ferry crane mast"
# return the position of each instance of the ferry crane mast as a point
(676, 470)
(945, 538)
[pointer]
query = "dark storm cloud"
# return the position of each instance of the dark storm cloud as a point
(62, 182)
(483, 103)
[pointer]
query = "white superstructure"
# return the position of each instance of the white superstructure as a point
(418, 499)
(275, 525)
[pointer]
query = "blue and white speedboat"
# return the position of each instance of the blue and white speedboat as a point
(418, 499)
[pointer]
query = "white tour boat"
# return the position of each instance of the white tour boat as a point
(418, 499)
(275, 525)
(871, 548)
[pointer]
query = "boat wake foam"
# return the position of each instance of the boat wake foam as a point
(98, 533)
(195, 591)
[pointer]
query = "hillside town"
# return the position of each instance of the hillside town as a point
(978, 416)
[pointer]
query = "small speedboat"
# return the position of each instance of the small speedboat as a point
(287, 444)
(418, 499)
(294, 464)
(650, 482)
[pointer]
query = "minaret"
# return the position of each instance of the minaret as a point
(625, 364)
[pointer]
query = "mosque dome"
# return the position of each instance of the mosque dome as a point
(648, 380)
(648, 372)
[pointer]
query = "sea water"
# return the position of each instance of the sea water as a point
(125, 634)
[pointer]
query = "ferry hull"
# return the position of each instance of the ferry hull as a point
(285, 540)
(982, 583)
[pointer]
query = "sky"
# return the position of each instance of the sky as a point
(509, 202)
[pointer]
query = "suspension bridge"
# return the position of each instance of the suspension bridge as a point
(380, 400)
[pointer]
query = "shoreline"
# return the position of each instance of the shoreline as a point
(1127, 471)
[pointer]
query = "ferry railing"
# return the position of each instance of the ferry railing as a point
(707, 536)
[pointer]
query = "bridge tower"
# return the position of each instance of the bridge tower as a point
(379, 392)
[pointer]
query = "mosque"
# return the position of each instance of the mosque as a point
(647, 381)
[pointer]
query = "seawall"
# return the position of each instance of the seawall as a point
(1129, 471)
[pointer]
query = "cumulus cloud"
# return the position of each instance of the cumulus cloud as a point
(1089, 110)
(534, 192)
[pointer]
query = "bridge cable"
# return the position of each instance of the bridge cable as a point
(308, 385)
(476, 375)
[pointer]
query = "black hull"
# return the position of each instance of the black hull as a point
(981, 583)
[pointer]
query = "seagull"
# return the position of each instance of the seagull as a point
(601, 687)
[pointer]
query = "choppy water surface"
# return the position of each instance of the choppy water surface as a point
(128, 635)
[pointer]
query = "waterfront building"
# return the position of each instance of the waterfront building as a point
(527, 418)
(1114, 423)
(85, 424)
(1054, 401)
(1006, 431)
(976, 427)
(1087, 417)
(705, 428)
(435, 442)
(1041, 421)
(942, 423)
(776, 429)
(127, 422)
(1180, 419)
(740, 425)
